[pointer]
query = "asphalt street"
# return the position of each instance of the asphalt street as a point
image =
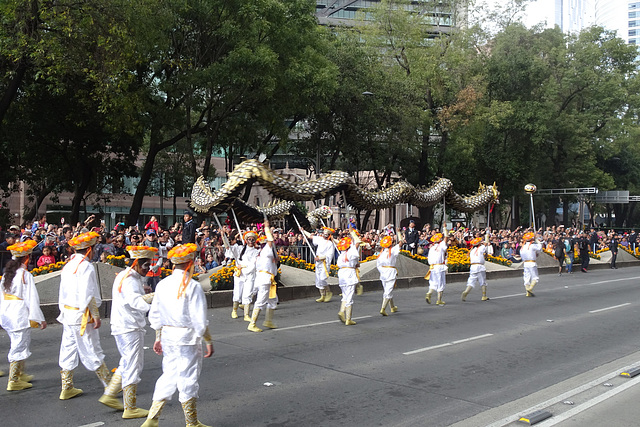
(465, 364)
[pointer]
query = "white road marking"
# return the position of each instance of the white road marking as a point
(420, 350)
(609, 308)
(100, 423)
(316, 324)
(591, 384)
(588, 404)
(614, 280)
(509, 296)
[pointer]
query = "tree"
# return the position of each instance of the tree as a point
(216, 66)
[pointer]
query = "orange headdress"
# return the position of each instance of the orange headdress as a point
(437, 238)
(22, 249)
(344, 243)
(386, 242)
(84, 240)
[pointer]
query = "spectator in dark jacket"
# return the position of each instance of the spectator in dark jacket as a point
(189, 228)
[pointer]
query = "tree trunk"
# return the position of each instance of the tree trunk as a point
(80, 189)
(145, 178)
(31, 212)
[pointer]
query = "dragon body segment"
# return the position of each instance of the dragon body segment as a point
(204, 200)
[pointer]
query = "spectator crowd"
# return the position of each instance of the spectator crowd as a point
(53, 240)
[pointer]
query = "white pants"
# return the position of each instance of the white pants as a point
(387, 286)
(530, 273)
(321, 276)
(86, 348)
(20, 342)
(181, 366)
(437, 280)
(238, 284)
(347, 294)
(479, 277)
(263, 299)
(131, 356)
(248, 290)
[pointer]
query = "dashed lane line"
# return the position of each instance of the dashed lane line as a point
(100, 423)
(420, 350)
(610, 308)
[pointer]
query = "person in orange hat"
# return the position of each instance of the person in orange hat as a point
(529, 252)
(244, 274)
(348, 261)
(324, 256)
(129, 307)
(178, 314)
(478, 272)
(265, 283)
(19, 312)
(386, 264)
(78, 301)
(437, 259)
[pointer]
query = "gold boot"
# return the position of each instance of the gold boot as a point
(129, 394)
(1, 373)
(348, 321)
(234, 312)
(343, 305)
(440, 301)
(359, 289)
(322, 295)
(109, 397)
(191, 413)
(154, 413)
(23, 377)
(427, 297)
(254, 318)
(484, 293)
(103, 374)
(241, 306)
(68, 391)
(247, 310)
(268, 319)
(15, 383)
(394, 309)
(327, 294)
(385, 301)
(465, 293)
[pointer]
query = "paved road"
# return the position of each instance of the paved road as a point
(465, 364)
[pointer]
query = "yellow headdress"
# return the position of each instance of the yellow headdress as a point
(22, 249)
(84, 240)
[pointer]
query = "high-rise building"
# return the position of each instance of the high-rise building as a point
(439, 14)
(573, 15)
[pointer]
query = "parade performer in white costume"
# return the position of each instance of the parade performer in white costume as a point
(348, 261)
(324, 257)
(244, 274)
(179, 316)
(529, 252)
(78, 301)
(478, 271)
(19, 312)
(265, 283)
(129, 307)
(437, 259)
(386, 264)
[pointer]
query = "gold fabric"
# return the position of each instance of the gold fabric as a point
(9, 297)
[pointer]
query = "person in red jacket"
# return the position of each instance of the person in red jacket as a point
(46, 258)
(152, 225)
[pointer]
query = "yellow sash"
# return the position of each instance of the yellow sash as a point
(87, 318)
(274, 286)
(9, 297)
(324, 264)
(428, 275)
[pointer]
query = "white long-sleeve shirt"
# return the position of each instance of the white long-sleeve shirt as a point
(15, 314)
(476, 256)
(386, 263)
(183, 320)
(78, 286)
(437, 257)
(529, 251)
(128, 309)
(347, 262)
(325, 252)
(247, 263)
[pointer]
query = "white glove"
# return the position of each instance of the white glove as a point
(412, 245)
(156, 267)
